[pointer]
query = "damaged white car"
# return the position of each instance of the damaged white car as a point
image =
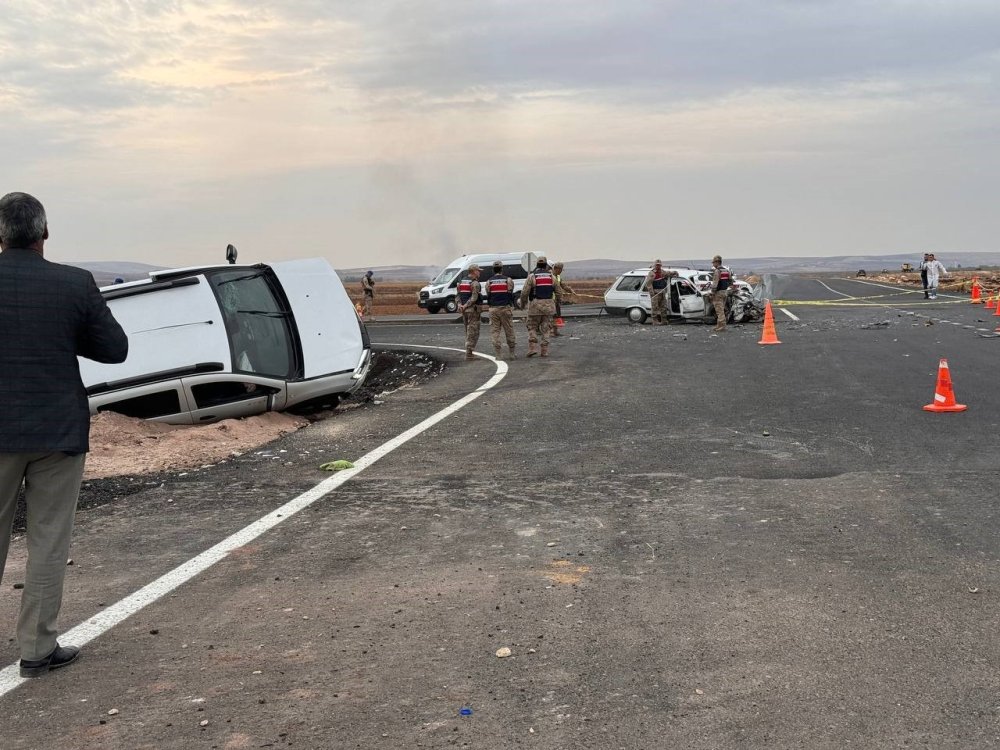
(686, 299)
(218, 342)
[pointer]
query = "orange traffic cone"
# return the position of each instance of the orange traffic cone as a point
(976, 298)
(560, 322)
(944, 396)
(997, 311)
(770, 335)
(360, 310)
(990, 302)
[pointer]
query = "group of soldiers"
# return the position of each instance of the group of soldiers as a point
(658, 285)
(541, 296)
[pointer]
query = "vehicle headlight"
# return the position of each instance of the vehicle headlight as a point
(437, 290)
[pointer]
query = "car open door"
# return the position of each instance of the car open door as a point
(686, 300)
(216, 396)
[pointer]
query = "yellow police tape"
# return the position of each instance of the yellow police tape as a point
(854, 302)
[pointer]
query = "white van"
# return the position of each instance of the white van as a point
(217, 342)
(441, 293)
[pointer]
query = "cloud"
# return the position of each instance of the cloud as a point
(425, 116)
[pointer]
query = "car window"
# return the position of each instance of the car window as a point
(630, 284)
(685, 287)
(224, 392)
(260, 333)
(158, 404)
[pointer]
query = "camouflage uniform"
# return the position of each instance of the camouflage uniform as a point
(540, 294)
(471, 299)
(500, 297)
(657, 283)
(563, 289)
(722, 281)
(368, 291)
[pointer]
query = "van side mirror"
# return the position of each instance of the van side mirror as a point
(231, 254)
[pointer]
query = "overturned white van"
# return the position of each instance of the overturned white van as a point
(442, 292)
(217, 342)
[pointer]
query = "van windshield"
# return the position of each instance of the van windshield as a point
(446, 275)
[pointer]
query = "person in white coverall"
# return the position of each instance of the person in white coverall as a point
(934, 271)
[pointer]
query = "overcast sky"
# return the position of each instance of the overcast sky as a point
(378, 132)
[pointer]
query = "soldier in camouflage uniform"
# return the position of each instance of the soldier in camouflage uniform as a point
(722, 282)
(470, 301)
(564, 289)
(540, 293)
(657, 283)
(500, 297)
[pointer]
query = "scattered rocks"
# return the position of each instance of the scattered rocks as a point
(503, 653)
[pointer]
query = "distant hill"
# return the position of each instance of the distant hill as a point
(105, 272)
(603, 268)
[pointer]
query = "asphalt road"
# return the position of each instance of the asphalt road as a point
(685, 539)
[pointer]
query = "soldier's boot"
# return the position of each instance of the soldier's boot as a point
(657, 321)
(469, 354)
(532, 350)
(545, 350)
(498, 352)
(512, 355)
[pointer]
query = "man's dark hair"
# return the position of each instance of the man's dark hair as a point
(22, 220)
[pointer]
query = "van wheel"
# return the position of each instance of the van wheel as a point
(636, 315)
(433, 310)
(451, 305)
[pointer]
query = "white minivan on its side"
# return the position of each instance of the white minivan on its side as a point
(217, 342)
(442, 292)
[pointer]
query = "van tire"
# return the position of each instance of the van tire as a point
(636, 315)
(451, 305)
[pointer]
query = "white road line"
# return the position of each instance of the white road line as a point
(106, 619)
(789, 313)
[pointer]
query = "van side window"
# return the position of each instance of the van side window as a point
(515, 271)
(225, 392)
(630, 284)
(158, 404)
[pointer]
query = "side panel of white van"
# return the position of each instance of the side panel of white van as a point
(167, 329)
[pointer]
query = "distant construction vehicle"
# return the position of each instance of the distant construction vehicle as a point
(907, 268)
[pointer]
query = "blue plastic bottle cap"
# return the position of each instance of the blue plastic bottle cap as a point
(465, 711)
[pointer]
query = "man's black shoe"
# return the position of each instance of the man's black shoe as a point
(62, 656)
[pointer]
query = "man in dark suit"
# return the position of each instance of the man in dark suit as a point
(49, 315)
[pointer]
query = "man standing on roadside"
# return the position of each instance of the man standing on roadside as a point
(368, 291)
(722, 280)
(923, 273)
(49, 315)
(935, 270)
(470, 298)
(500, 297)
(539, 294)
(657, 283)
(564, 289)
